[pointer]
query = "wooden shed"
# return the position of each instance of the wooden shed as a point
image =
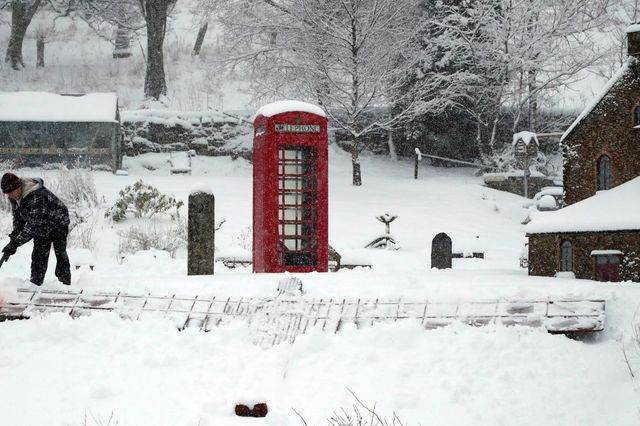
(39, 127)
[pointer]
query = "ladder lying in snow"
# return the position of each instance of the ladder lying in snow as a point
(284, 317)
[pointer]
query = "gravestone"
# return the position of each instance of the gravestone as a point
(441, 252)
(201, 234)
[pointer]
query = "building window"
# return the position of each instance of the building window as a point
(636, 116)
(566, 256)
(604, 172)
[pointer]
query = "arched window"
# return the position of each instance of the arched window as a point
(566, 256)
(636, 116)
(604, 172)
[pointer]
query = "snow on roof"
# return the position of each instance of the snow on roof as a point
(43, 106)
(612, 210)
(617, 76)
(526, 137)
(605, 252)
(279, 107)
(632, 28)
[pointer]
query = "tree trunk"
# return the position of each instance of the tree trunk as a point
(200, 39)
(533, 101)
(392, 146)
(155, 84)
(40, 52)
(355, 161)
(21, 15)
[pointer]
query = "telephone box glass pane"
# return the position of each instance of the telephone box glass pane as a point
(297, 206)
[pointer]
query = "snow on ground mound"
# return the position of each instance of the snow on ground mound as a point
(455, 376)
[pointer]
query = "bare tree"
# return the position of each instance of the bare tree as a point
(129, 14)
(22, 12)
(155, 14)
(512, 53)
(202, 11)
(350, 56)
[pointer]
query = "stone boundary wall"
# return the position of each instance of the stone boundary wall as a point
(206, 132)
(514, 183)
(544, 252)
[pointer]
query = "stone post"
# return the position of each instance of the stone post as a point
(441, 252)
(201, 233)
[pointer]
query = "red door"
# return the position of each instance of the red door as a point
(608, 267)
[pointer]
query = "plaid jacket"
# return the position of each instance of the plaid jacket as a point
(39, 214)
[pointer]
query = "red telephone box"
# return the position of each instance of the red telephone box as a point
(290, 188)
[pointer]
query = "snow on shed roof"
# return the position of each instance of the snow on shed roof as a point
(617, 76)
(613, 210)
(279, 107)
(43, 106)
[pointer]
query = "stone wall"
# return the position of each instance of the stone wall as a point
(206, 132)
(514, 183)
(544, 252)
(608, 129)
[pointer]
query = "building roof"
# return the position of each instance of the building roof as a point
(280, 107)
(594, 102)
(43, 106)
(616, 209)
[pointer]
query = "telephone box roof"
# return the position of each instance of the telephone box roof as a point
(48, 107)
(280, 107)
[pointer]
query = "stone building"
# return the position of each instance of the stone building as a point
(597, 236)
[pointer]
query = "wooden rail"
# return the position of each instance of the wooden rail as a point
(283, 318)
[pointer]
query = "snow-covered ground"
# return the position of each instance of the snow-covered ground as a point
(101, 370)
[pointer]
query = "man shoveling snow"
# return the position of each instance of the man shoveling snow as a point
(41, 216)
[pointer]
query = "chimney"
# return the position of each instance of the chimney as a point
(633, 40)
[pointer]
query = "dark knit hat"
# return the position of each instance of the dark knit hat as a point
(10, 182)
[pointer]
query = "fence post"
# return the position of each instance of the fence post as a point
(201, 233)
(417, 159)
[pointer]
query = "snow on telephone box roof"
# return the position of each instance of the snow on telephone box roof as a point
(49, 107)
(280, 107)
(615, 209)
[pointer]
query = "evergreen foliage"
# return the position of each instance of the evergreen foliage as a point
(142, 200)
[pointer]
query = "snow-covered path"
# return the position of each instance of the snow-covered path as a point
(56, 371)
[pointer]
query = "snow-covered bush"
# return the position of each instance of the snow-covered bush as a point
(245, 239)
(143, 201)
(549, 164)
(82, 235)
(75, 187)
(150, 235)
(361, 415)
(5, 206)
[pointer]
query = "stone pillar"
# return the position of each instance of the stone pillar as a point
(441, 252)
(201, 234)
